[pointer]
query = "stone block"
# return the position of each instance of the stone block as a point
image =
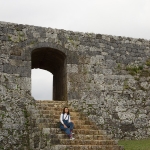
(145, 85)
(25, 83)
(73, 95)
(7, 68)
(101, 120)
(140, 122)
(126, 116)
(99, 78)
(93, 101)
(3, 90)
(11, 86)
(107, 71)
(72, 68)
(46, 131)
(1, 68)
(120, 109)
(14, 62)
(102, 45)
(128, 127)
(147, 103)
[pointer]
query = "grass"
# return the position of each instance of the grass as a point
(135, 144)
(125, 85)
(148, 62)
(133, 70)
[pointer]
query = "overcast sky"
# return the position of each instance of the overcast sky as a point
(41, 84)
(130, 18)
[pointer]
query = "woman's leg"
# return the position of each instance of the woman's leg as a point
(70, 125)
(67, 130)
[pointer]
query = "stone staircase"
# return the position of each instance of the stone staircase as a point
(87, 135)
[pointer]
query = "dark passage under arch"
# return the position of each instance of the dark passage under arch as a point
(54, 61)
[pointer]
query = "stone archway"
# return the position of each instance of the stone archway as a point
(54, 61)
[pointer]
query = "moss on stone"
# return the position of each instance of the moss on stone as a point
(27, 124)
(134, 70)
(148, 62)
(145, 73)
(2, 115)
(119, 67)
(125, 85)
(9, 38)
(1, 124)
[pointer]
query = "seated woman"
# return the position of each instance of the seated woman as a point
(66, 124)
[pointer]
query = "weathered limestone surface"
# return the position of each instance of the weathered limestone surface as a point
(107, 78)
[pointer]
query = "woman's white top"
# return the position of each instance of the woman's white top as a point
(66, 117)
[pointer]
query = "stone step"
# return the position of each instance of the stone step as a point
(52, 104)
(52, 120)
(76, 131)
(54, 123)
(86, 147)
(82, 136)
(52, 107)
(57, 116)
(59, 109)
(51, 112)
(76, 126)
(50, 116)
(49, 101)
(82, 142)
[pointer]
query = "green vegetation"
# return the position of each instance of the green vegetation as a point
(90, 105)
(135, 144)
(133, 70)
(2, 115)
(27, 124)
(9, 37)
(21, 34)
(26, 114)
(145, 73)
(32, 42)
(139, 70)
(148, 62)
(119, 67)
(85, 71)
(125, 85)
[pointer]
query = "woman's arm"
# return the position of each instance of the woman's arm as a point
(69, 118)
(61, 119)
(61, 116)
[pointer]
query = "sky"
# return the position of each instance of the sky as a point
(129, 18)
(41, 84)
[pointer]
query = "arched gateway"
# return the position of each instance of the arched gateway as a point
(53, 61)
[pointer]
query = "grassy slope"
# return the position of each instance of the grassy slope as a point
(136, 144)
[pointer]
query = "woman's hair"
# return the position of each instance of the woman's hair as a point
(64, 111)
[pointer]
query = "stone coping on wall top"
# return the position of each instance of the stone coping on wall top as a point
(85, 34)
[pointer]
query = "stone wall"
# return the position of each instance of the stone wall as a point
(111, 84)
(107, 78)
(17, 107)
